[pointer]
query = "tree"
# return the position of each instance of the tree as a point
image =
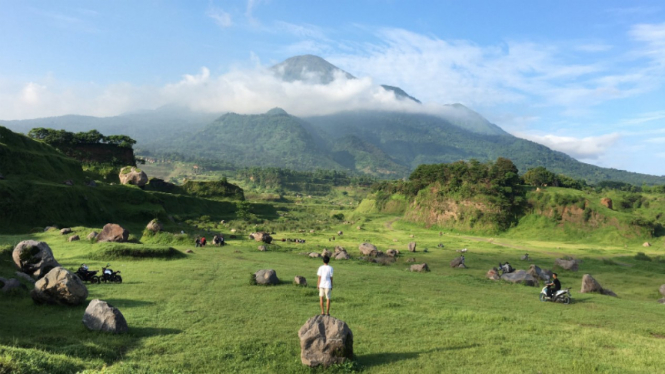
(539, 176)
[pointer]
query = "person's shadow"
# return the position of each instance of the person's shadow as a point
(376, 359)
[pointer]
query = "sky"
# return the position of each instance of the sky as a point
(583, 77)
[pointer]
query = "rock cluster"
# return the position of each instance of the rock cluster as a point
(368, 249)
(340, 254)
(520, 276)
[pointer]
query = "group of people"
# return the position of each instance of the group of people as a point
(216, 240)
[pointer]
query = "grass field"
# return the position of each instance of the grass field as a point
(199, 314)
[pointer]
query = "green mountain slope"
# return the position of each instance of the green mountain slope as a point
(356, 154)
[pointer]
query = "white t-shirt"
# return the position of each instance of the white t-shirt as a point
(326, 274)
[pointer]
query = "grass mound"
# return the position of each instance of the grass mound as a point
(115, 251)
(20, 360)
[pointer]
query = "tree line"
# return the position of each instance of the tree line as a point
(66, 138)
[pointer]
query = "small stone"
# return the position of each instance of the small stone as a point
(300, 280)
(189, 251)
(412, 246)
(92, 235)
(65, 231)
(262, 248)
(419, 268)
(73, 238)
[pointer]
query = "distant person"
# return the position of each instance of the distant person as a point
(325, 284)
(554, 286)
(221, 240)
(203, 241)
(198, 242)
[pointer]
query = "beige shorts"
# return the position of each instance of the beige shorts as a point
(325, 292)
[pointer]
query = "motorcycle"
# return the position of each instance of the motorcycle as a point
(561, 296)
(111, 276)
(87, 275)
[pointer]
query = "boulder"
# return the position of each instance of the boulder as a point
(411, 236)
(606, 201)
(326, 253)
(571, 265)
(461, 266)
(34, 258)
(520, 276)
(419, 268)
(266, 276)
(662, 301)
(368, 249)
(538, 273)
(73, 238)
(493, 274)
(189, 251)
(339, 249)
(59, 286)
(300, 281)
(312, 231)
(49, 228)
(392, 253)
(340, 233)
(133, 175)
(525, 257)
(395, 240)
(25, 277)
(8, 285)
(68, 182)
(412, 247)
(662, 290)
(358, 228)
(102, 316)
(315, 255)
(646, 244)
(154, 226)
(262, 248)
(589, 284)
(261, 237)
(456, 262)
(325, 340)
(342, 256)
(92, 235)
(65, 231)
(113, 233)
(412, 259)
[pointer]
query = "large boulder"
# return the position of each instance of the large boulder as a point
(133, 175)
(315, 255)
(9, 285)
(368, 249)
(65, 231)
(392, 253)
(412, 247)
(341, 254)
(261, 237)
(493, 274)
(456, 262)
(154, 226)
(589, 284)
(326, 253)
(339, 249)
(102, 316)
(520, 276)
(266, 277)
(606, 201)
(73, 238)
(538, 273)
(34, 258)
(59, 286)
(113, 233)
(646, 244)
(572, 265)
(325, 340)
(419, 268)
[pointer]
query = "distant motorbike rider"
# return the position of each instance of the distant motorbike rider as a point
(553, 286)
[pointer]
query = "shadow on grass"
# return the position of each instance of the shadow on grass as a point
(144, 332)
(128, 303)
(377, 359)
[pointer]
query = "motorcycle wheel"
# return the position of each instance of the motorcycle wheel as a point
(565, 299)
(543, 297)
(118, 279)
(94, 280)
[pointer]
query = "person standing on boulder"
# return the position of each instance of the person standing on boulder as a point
(325, 284)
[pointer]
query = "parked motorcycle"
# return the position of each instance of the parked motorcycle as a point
(110, 276)
(561, 296)
(87, 275)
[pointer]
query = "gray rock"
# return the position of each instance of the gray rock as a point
(325, 340)
(525, 257)
(419, 268)
(65, 231)
(73, 238)
(412, 247)
(262, 248)
(154, 226)
(300, 281)
(572, 265)
(261, 237)
(59, 286)
(25, 277)
(34, 258)
(589, 284)
(457, 261)
(266, 276)
(132, 175)
(368, 249)
(49, 228)
(113, 233)
(340, 233)
(662, 290)
(493, 274)
(520, 276)
(92, 235)
(315, 255)
(538, 273)
(8, 285)
(327, 253)
(392, 253)
(102, 316)
(339, 249)
(342, 256)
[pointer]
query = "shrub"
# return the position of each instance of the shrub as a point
(640, 256)
(125, 251)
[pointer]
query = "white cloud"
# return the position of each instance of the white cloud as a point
(222, 18)
(660, 140)
(653, 36)
(588, 148)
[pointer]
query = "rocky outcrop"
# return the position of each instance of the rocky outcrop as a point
(113, 233)
(412, 247)
(340, 254)
(572, 265)
(520, 276)
(59, 286)
(133, 175)
(589, 284)
(368, 249)
(607, 202)
(102, 316)
(325, 340)
(266, 277)
(261, 237)
(154, 226)
(419, 268)
(34, 258)
(300, 281)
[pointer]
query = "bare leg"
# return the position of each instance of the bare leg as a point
(328, 306)
(321, 303)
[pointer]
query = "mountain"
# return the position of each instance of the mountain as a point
(465, 118)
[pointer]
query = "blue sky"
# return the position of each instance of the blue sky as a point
(586, 78)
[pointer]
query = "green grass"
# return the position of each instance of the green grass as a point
(198, 314)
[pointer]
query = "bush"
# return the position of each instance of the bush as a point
(640, 256)
(114, 251)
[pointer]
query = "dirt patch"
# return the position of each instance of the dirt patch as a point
(658, 336)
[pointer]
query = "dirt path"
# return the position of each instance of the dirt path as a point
(389, 224)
